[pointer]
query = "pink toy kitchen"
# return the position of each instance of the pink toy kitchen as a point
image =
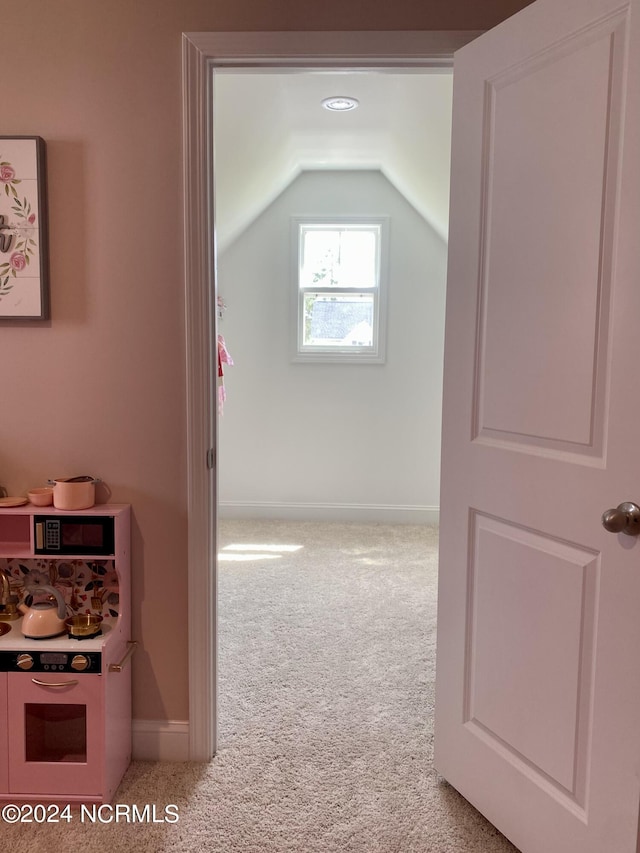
(65, 651)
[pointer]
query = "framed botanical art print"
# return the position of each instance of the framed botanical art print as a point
(24, 267)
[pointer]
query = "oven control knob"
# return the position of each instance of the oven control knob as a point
(79, 662)
(24, 661)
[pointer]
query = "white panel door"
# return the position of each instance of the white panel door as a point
(538, 670)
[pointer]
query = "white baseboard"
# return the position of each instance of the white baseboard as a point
(160, 740)
(329, 512)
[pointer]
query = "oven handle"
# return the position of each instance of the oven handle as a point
(54, 683)
(118, 667)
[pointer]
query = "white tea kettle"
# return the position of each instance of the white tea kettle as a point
(44, 619)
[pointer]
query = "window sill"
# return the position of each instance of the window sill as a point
(338, 358)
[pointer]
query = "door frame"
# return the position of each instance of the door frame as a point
(202, 54)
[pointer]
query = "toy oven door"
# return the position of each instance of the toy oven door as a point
(55, 726)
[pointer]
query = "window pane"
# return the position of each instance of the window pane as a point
(340, 321)
(339, 257)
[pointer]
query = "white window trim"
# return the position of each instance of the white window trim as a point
(341, 356)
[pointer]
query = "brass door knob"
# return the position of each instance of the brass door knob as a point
(625, 518)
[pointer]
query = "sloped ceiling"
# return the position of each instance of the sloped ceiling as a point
(268, 127)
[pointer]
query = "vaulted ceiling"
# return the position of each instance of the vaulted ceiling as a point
(270, 126)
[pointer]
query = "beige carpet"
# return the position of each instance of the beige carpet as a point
(327, 655)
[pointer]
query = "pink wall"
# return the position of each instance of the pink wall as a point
(100, 389)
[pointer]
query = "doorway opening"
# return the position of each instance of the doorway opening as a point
(204, 54)
(328, 437)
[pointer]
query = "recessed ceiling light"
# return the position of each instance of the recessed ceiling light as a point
(340, 104)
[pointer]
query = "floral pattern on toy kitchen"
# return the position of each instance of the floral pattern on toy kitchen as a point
(87, 586)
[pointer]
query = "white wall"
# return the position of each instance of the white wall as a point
(332, 441)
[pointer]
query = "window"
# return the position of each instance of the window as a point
(339, 289)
